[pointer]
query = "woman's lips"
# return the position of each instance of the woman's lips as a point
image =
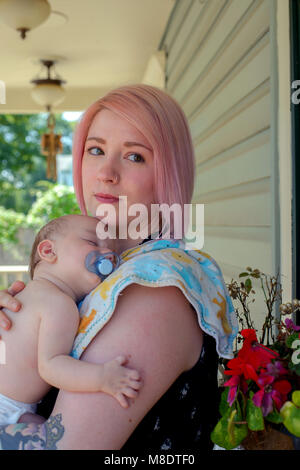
(106, 199)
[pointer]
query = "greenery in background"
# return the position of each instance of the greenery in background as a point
(10, 222)
(52, 200)
(28, 199)
(21, 161)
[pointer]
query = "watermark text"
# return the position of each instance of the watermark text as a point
(2, 92)
(2, 352)
(161, 220)
(296, 354)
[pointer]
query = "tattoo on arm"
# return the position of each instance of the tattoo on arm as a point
(27, 436)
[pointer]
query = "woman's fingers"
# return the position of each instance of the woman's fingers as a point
(7, 296)
(16, 287)
(5, 323)
(8, 301)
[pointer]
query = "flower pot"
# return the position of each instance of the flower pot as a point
(269, 439)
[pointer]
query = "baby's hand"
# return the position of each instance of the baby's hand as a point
(120, 381)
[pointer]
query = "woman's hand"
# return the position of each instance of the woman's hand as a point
(8, 301)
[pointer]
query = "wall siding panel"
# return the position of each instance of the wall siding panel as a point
(218, 69)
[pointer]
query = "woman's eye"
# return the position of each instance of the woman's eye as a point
(94, 150)
(139, 157)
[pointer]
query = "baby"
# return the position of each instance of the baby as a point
(39, 343)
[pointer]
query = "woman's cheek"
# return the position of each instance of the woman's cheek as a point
(88, 178)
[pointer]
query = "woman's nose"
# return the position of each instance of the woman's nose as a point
(108, 172)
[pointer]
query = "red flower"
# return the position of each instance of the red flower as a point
(241, 367)
(251, 357)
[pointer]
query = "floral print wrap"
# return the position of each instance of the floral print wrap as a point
(159, 263)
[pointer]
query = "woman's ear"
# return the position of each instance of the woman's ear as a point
(46, 251)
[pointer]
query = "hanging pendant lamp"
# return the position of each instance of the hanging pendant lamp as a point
(48, 91)
(24, 15)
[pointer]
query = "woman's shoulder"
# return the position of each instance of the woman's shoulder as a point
(159, 320)
(190, 276)
(173, 314)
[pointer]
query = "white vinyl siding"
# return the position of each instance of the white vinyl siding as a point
(219, 70)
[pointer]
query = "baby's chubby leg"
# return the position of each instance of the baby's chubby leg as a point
(120, 381)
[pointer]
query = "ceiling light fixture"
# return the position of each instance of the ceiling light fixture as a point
(48, 91)
(24, 15)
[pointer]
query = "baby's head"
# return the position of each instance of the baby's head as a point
(62, 245)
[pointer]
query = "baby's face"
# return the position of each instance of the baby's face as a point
(79, 240)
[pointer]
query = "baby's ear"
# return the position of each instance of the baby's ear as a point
(46, 251)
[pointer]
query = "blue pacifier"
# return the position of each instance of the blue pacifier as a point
(100, 264)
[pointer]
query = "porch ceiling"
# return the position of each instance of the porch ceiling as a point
(102, 45)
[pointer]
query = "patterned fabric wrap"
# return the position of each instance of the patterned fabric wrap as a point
(159, 263)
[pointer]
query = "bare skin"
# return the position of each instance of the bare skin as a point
(9, 301)
(156, 328)
(48, 324)
(162, 314)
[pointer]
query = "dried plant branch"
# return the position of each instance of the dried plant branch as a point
(243, 293)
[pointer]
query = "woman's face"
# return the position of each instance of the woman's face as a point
(117, 161)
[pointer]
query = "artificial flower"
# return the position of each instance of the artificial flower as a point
(233, 384)
(290, 325)
(251, 357)
(271, 392)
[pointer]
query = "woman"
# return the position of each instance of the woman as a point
(135, 142)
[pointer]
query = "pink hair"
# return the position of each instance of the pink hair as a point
(162, 122)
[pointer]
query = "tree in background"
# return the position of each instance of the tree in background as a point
(27, 198)
(21, 161)
(53, 200)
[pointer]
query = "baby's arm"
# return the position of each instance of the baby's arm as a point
(58, 327)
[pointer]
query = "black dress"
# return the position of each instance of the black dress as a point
(183, 417)
(186, 414)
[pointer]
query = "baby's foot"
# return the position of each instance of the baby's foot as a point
(120, 381)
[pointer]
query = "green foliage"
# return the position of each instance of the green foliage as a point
(53, 201)
(10, 222)
(290, 413)
(296, 398)
(224, 405)
(230, 431)
(294, 368)
(254, 416)
(28, 200)
(56, 201)
(274, 417)
(21, 161)
(290, 339)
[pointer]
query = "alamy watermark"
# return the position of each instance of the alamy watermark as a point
(188, 222)
(2, 352)
(2, 92)
(296, 94)
(296, 354)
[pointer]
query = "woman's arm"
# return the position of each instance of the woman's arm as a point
(158, 330)
(58, 326)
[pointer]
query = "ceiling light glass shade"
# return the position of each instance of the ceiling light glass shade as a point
(48, 94)
(24, 14)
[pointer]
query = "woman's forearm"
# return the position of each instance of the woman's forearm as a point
(29, 436)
